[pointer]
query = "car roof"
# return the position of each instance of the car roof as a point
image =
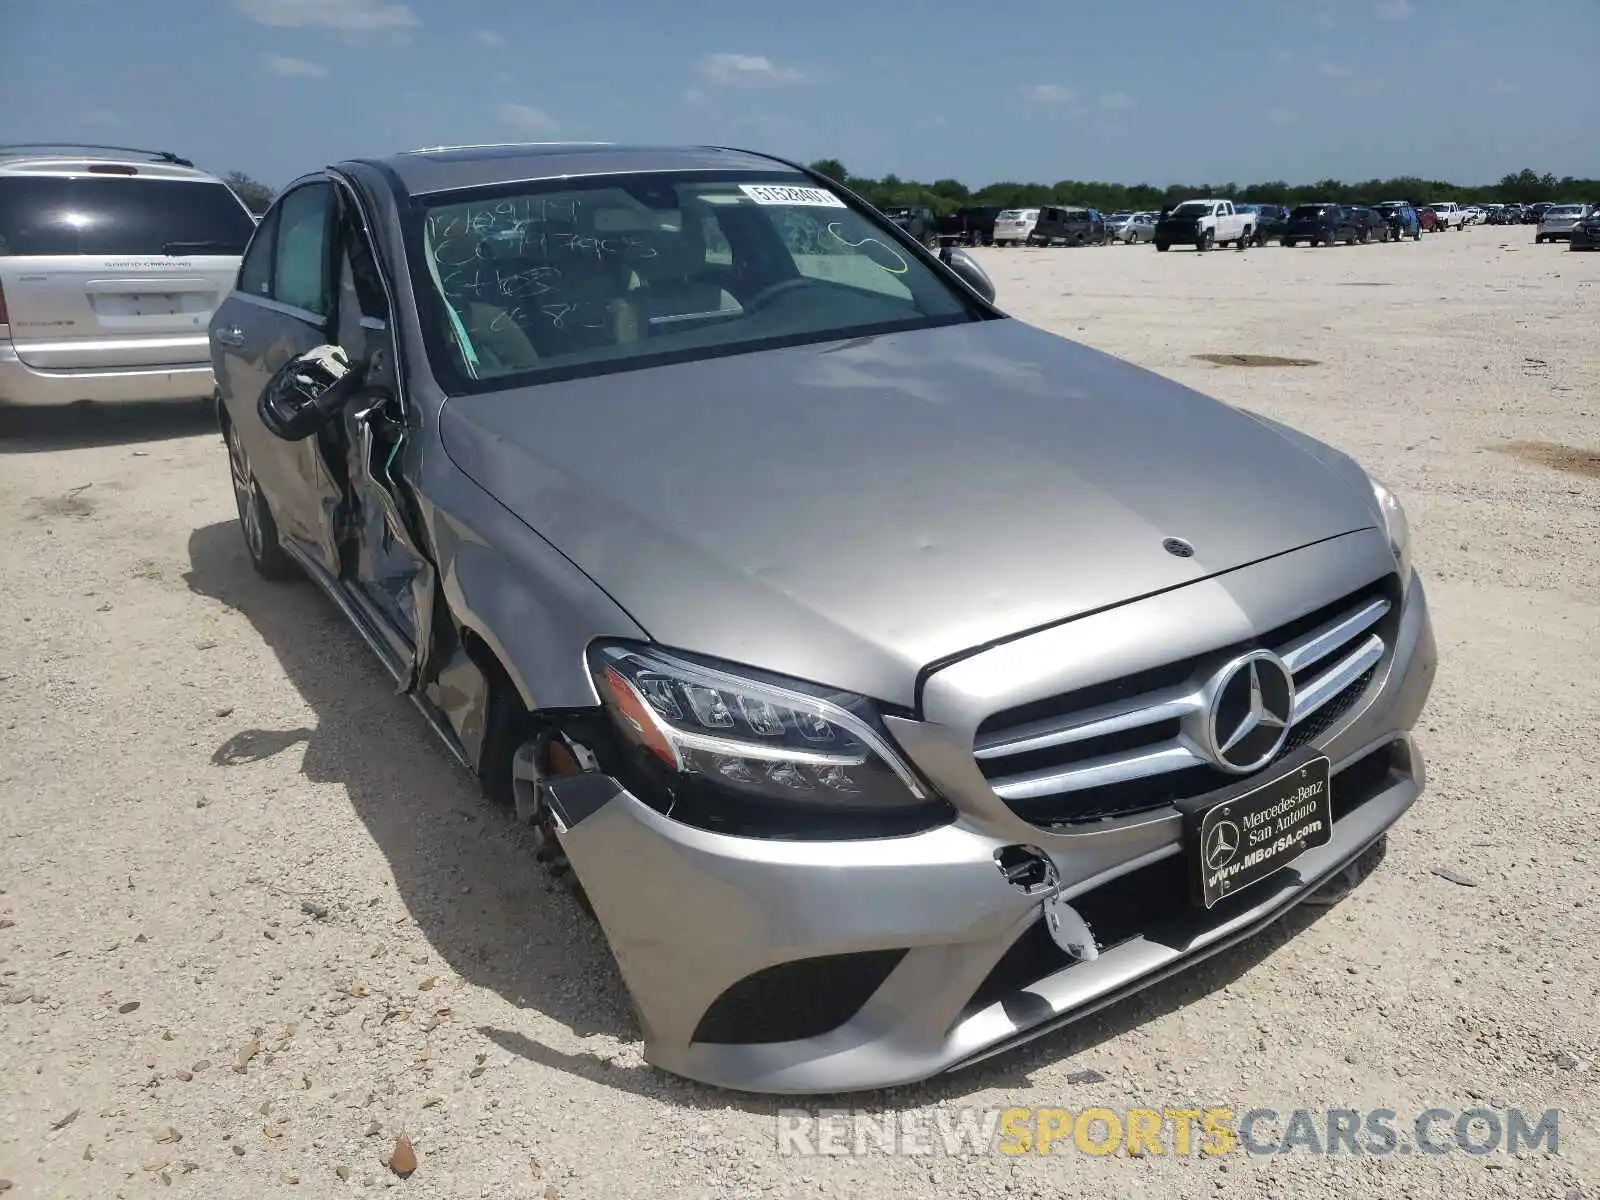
(68, 158)
(448, 168)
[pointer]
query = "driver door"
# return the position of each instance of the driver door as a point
(381, 564)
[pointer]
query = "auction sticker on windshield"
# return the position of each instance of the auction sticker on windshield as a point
(1259, 830)
(778, 193)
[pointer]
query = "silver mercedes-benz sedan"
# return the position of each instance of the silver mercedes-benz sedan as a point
(896, 681)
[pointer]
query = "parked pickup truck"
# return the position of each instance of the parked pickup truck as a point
(1449, 215)
(1203, 224)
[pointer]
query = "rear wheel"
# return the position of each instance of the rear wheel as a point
(1288, 243)
(255, 516)
(1205, 240)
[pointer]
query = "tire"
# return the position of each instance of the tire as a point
(1538, 239)
(1207, 237)
(256, 525)
(1287, 243)
(1244, 239)
(1163, 247)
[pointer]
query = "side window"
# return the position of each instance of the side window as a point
(255, 273)
(718, 250)
(300, 275)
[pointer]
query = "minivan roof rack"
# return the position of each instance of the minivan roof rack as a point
(165, 156)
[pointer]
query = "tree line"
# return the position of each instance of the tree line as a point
(947, 195)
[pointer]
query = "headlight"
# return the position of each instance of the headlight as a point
(713, 735)
(1397, 527)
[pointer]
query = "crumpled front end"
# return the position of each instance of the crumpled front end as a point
(823, 966)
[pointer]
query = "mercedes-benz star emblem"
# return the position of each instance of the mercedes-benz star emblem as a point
(1222, 843)
(1252, 701)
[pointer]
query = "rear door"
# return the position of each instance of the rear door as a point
(282, 308)
(111, 270)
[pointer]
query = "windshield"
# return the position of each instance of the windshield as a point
(1564, 210)
(1306, 211)
(1019, 214)
(559, 279)
(1193, 208)
(54, 214)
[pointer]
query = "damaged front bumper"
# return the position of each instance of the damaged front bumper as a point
(810, 967)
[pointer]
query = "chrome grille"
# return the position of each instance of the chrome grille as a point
(1129, 745)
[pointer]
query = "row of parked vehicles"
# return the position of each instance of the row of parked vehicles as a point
(1208, 223)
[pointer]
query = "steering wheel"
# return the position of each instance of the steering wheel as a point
(781, 288)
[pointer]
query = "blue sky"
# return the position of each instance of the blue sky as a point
(1154, 91)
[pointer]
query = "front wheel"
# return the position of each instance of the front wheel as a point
(255, 516)
(1162, 247)
(1538, 239)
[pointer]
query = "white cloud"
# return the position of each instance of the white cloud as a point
(1498, 87)
(347, 16)
(1049, 93)
(1281, 116)
(748, 69)
(1364, 87)
(489, 37)
(526, 119)
(1333, 71)
(1395, 10)
(1116, 102)
(280, 64)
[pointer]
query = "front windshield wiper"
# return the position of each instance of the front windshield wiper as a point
(175, 248)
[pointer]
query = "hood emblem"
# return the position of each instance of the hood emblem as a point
(1247, 721)
(1179, 547)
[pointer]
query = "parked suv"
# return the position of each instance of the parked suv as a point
(849, 813)
(111, 263)
(1270, 221)
(1014, 226)
(1068, 227)
(1319, 225)
(917, 220)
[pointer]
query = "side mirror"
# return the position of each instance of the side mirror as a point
(305, 393)
(964, 265)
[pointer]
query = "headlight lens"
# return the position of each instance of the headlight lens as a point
(1397, 527)
(713, 735)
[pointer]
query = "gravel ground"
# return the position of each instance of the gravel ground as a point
(254, 924)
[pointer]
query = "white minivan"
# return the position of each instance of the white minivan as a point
(1014, 226)
(112, 261)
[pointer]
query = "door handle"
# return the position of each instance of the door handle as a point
(230, 335)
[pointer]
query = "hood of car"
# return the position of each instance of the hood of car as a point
(851, 512)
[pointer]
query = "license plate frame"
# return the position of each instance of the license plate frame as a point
(1278, 818)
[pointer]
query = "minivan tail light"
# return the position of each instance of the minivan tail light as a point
(111, 169)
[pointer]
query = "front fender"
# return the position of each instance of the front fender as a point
(531, 606)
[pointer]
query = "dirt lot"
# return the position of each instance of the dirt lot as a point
(254, 923)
